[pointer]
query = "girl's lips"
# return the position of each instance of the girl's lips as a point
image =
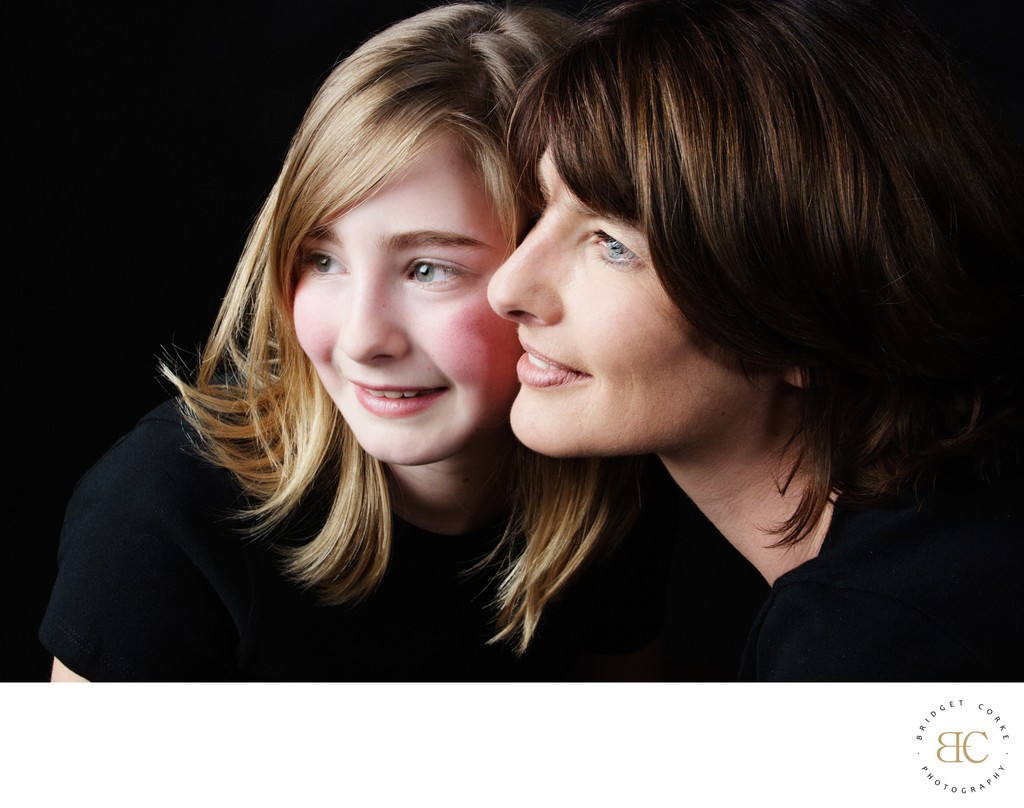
(396, 393)
(538, 371)
(397, 402)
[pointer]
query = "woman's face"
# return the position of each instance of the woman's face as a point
(391, 308)
(611, 366)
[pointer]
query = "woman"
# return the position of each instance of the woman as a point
(780, 248)
(328, 498)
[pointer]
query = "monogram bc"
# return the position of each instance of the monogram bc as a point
(960, 738)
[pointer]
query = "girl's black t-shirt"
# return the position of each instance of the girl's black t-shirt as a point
(158, 582)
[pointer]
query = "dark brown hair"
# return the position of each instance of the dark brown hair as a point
(818, 190)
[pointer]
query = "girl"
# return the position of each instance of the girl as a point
(327, 499)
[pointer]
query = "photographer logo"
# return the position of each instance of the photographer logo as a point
(963, 747)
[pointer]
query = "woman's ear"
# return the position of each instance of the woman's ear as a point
(796, 376)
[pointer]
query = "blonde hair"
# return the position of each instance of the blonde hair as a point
(256, 400)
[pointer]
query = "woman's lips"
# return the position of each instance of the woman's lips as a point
(537, 370)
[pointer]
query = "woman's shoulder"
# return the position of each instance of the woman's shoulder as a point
(924, 588)
(955, 529)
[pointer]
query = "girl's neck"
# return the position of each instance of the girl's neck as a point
(457, 495)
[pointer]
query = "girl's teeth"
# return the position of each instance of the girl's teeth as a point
(539, 362)
(394, 393)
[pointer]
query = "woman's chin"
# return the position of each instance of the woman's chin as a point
(550, 436)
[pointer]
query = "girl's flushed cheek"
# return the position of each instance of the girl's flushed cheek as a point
(314, 326)
(479, 346)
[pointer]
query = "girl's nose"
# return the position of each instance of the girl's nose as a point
(371, 328)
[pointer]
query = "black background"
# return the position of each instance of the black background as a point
(141, 141)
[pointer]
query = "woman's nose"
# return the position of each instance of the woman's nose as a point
(525, 287)
(371, 327)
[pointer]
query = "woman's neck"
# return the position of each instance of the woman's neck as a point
(747, 505)
(747, 490)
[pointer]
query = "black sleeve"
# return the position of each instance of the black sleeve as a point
(149, 579)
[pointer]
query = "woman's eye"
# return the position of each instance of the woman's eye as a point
(615, 252)
(429, 272)
(618, 251)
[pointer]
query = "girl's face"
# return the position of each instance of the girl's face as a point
(611, 366)
(391, 308)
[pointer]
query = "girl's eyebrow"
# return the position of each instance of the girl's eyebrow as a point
(406, 240)
(429, 238)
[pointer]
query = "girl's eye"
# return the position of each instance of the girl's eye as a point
(320, 263)
(432, 273)
(616, 253)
